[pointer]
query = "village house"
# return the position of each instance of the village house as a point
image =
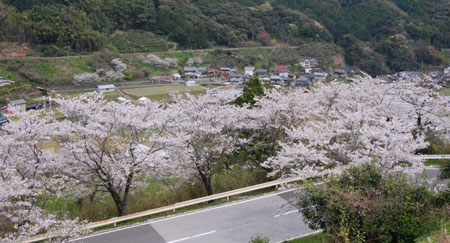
(224, 71)
(276, 78)
(301, 82)
(308, 63)
(281, 70)
(339, 73)
(201, 70)
(19, 105)
(211, 71)
(260, 72)
(176, 76)
(319, 76)
(250, 71)
(106, 88)
(234, 77)
(191, 72)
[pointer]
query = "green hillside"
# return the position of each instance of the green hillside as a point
(379, 36)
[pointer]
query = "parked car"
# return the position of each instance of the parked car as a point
(3, 121)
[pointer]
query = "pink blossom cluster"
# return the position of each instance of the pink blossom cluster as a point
(109, 148)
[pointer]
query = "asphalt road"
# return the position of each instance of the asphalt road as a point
(271, 216)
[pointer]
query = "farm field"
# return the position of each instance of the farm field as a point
(163, 92)
(445, 91)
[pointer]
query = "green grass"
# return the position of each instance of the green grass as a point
(429, 162)
(74, 93)
(316, 238)
(445, 91)
(139, 41)
(162, 92)
(436, 236)
(82, 64)
(45, 69)
(10, 75)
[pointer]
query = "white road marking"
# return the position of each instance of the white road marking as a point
(192, 237)
(286, 213)
(182, 215)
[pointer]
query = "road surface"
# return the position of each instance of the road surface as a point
(435, 156)
(271, 216)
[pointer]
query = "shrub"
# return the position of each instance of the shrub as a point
(259, 239)
(365, 205)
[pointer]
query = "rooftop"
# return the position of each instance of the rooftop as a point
(106, 86)
(17, 102)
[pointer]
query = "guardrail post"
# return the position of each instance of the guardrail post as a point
(228, 198)
(173, 210)
(114, 224)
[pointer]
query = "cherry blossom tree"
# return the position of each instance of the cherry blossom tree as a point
(110, 146)
(351, 124)
(423, 103)
(207, 133)
(27, 181)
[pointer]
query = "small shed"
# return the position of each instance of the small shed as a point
(19, 105)
(106, 88)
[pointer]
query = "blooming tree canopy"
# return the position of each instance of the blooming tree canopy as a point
(353, 124)
(107, 145)
(27, 180)
(206, 131)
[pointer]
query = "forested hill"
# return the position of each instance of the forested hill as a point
(393, 35)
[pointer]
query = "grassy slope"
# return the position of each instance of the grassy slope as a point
(60, 71)
(445, 91)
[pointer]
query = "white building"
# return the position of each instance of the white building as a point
(144, 100)
(176, 76)
(250, 71)
(106, 88)
(122, 100)
(308, 63)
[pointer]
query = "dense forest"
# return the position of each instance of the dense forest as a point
(379, 36)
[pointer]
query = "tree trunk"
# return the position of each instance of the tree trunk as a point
(206, 179)
(121, 205)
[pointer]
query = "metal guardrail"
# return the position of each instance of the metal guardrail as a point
(217, 196)
(435, 156)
